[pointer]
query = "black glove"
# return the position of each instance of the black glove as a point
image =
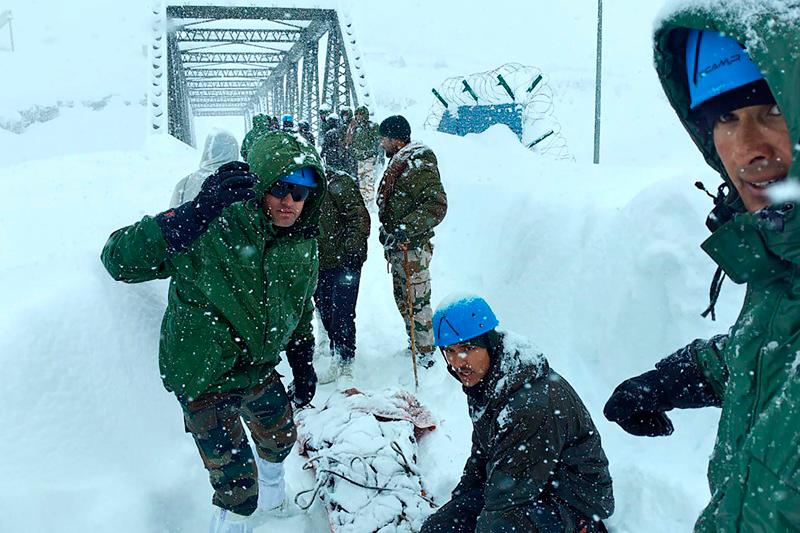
(644, 424)
(399, 236)
(232, 182)
(302, 388)
(638, 404)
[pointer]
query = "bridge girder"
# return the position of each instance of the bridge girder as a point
(234, 36)
(193, 93)
(222, 58)
(225, 78)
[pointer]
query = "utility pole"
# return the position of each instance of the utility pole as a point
(598, 82)
(5, 19)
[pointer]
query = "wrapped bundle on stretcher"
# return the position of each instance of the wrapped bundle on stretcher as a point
(363, 450)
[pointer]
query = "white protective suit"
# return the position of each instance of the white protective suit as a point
(221, 147)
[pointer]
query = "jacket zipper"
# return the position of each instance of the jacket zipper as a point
(265, 303)
(759, 368)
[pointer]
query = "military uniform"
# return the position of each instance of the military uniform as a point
(411, 202)
(344, 229)
(363, 140)
(240, 293)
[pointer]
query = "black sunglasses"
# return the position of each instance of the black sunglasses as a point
(298, 192)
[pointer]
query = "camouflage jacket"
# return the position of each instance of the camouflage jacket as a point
(363, 140)
(411, 197)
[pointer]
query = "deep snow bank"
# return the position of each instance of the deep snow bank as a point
(598, 265)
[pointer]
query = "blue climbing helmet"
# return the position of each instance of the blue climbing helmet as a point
(716, 64)
(306, 176)
(462, 318)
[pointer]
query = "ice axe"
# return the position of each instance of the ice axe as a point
(410, 302)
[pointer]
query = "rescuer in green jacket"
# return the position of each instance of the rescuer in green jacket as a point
(242, 262)
(732, 77)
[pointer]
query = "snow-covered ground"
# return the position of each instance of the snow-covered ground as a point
(599, 265)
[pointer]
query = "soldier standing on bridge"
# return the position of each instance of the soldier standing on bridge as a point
(363, 141)
(261, 126)
(324, 112)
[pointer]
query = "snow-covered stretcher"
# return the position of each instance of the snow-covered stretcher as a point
(362, 448)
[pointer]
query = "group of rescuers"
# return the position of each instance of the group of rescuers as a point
(251, 247)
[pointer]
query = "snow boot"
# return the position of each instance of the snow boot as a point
(272, 500)
(345, 379)
(338, 369)
(329, 375)
(271, 485)
(225, 521)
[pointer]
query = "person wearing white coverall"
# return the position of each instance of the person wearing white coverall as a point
(221, 147)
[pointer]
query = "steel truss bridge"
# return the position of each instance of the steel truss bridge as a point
(240, 61)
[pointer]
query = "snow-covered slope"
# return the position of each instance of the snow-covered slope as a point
(599, 265)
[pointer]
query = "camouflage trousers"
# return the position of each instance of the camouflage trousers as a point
(419, 260)
(215, 422)
(366, 178)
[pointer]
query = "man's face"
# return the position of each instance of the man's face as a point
(390, 146)
(754, 146)
(360, 118)
(470, 363)
(283, 211)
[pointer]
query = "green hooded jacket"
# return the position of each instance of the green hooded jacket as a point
(411, 196)
(260, 128)
(241, 291)
(344, 223)
(754, 472)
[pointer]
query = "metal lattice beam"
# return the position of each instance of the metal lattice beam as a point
(239, 111)
(179, 115)
(337, 85)
(244, 13)
(219, 100)
(223, 84)
(227, 73)
(223, 35)
(199, 58)
(193, 93)
(309, 92)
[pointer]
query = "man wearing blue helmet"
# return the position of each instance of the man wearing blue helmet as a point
(287, 122)
(537, 463)
(242, 261)
(734, 82)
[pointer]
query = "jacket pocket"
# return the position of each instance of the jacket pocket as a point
(770, 502)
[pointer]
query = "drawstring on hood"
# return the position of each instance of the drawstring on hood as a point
(720, 214)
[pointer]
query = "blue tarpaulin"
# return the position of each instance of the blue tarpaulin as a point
(478, 118)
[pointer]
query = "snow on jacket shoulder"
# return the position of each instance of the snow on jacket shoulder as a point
(533, 439)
